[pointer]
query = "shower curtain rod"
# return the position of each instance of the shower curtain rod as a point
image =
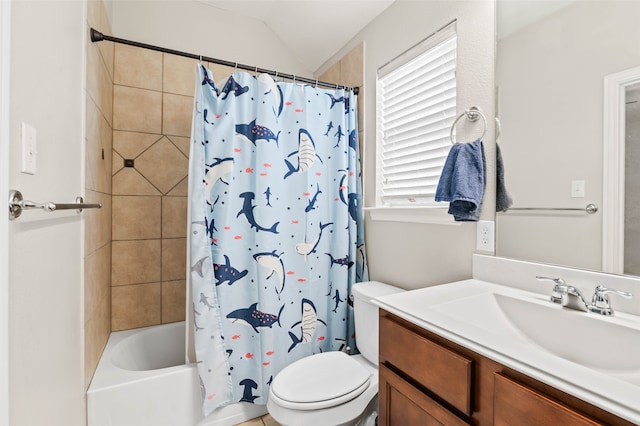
(98, 36)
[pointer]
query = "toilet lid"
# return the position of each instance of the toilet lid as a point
(321, 380)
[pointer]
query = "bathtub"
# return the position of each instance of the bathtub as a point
(142, 379)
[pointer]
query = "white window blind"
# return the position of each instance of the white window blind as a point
(416, 107)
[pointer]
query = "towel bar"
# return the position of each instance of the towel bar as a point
(589, 209)
(17, 204)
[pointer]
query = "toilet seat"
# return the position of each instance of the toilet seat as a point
(320, 381)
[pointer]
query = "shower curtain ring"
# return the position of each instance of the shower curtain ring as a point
(256, 71)
(236, 67)
(276, 77)
(200, 59)
(316, 84)
(294, 78)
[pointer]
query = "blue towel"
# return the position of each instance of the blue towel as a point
(462, 181)
(503, 200)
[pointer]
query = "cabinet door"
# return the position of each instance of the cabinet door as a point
(441, 370)
(402, 405)
(516, 404)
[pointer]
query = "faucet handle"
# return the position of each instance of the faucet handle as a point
(556, 280)
(600, 300)
(558, 291)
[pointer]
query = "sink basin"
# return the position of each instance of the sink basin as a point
(597, 342)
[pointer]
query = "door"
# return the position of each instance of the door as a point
(41, 261)
(4, 190)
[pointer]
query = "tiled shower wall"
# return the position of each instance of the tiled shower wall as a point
(152, 108)
(97, 222)
(349, 71)
(139, 108)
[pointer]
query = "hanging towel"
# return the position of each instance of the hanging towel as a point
(503, 200)
(462, 181)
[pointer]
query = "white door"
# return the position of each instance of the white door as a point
(4, 190)
(41, 253)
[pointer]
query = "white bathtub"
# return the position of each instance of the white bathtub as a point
(142, 379)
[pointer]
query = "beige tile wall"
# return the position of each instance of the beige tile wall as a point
(98, 164)
(152, 108)
(139, 108)
(349, 71)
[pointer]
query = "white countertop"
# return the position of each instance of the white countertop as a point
(615, 391)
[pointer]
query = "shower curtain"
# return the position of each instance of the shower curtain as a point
(276, 230)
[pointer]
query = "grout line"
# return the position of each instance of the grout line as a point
(161, 252)
(162, 97)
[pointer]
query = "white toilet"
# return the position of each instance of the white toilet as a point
(333, 388)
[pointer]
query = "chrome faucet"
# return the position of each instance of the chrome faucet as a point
(571, 297)
(566, 295)
(600, 303)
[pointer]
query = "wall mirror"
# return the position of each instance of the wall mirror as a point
(631, 222)
(552, 60)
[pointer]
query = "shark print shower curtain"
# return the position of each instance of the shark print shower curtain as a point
(276, 234)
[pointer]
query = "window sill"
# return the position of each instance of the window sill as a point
(433, 215)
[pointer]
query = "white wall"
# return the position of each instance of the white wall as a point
(194, 27)
(550, 76)
(413, 255)
(45, 271)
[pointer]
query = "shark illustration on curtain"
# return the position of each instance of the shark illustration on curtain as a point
(276, 229)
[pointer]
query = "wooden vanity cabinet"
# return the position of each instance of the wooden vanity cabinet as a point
(425, 379)
(515, 403)
(407, 405)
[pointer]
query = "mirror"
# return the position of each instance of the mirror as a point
(552, 59)
(632, 180)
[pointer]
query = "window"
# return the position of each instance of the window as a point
(416, 106)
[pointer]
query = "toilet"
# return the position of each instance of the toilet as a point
(333, 388)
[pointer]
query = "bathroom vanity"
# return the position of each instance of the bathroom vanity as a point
(480, 353)
(425, 379)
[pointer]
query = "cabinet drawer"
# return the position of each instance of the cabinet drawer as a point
(517, 404)
(439, 369)
(401, 404)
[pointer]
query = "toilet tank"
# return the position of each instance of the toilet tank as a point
(366, 315)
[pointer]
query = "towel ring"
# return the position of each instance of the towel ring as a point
(472, 114)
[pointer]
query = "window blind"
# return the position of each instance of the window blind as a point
(416, 107)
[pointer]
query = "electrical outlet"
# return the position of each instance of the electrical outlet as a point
(485, 239)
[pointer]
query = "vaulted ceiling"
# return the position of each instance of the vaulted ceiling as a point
(313, 30)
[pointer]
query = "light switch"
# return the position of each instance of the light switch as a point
(29, 149)
(577, 189)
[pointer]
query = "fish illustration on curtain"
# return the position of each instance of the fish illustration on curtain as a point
(276, 234)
